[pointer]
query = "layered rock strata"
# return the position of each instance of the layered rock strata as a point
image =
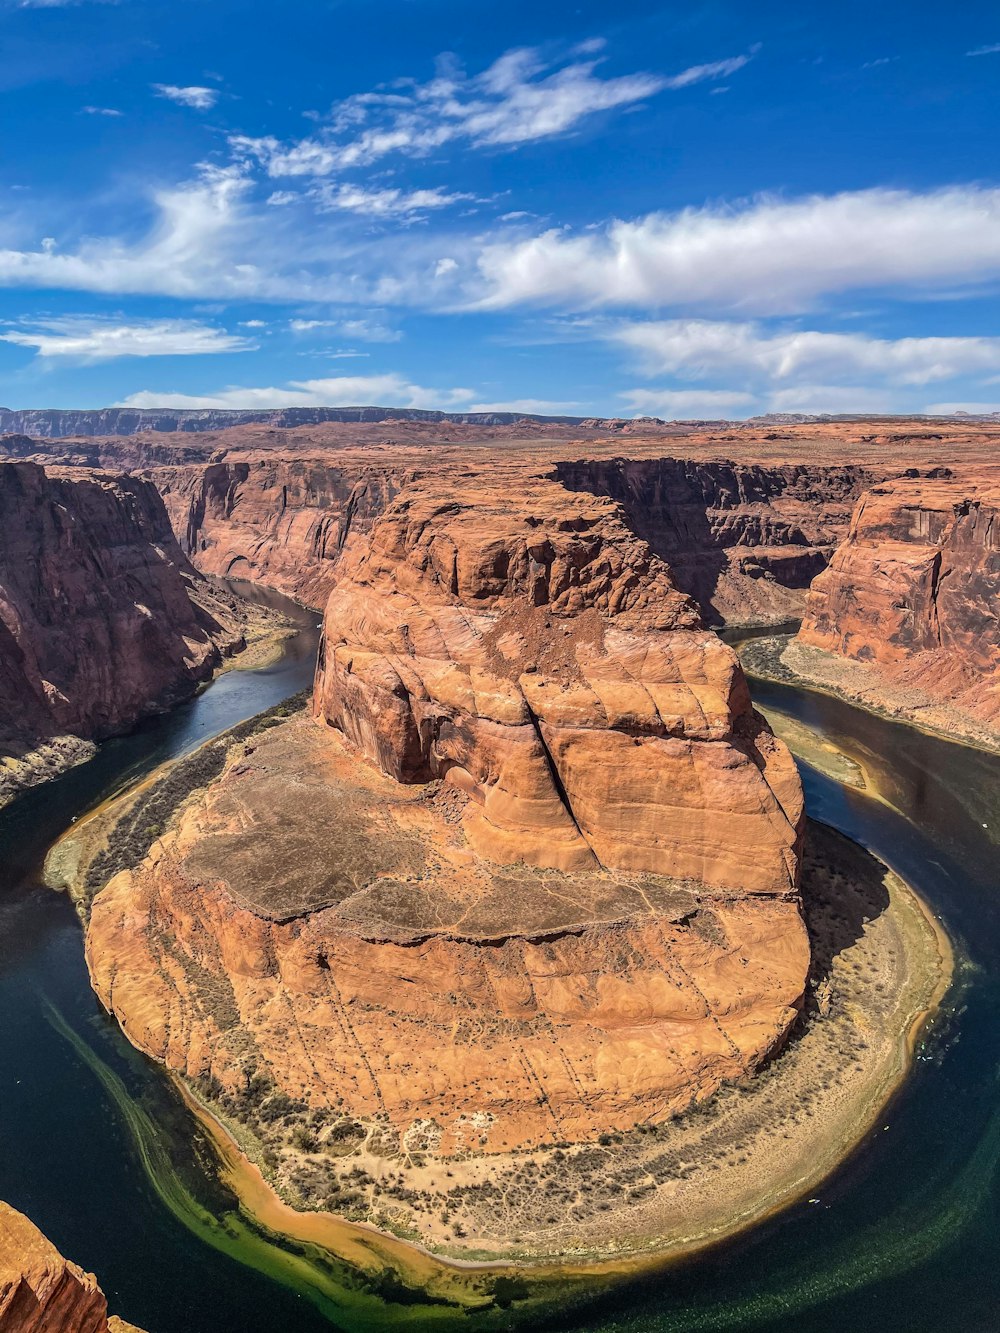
(913, 594)
(102, 619)
(744, 540)
(40, 1291)
(282, 522)
(559, 898)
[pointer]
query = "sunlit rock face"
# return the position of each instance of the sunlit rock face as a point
(914, 591)
(529, 873)
(40, 1291)
(530, 649)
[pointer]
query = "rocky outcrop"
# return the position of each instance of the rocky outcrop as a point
(102, 620)
(744, 540)
(278, 521)
(913, 593)
(560, 898)
(40, 1291)
(523, 643)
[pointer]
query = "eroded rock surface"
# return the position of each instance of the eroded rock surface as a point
(914, 594)
(40, 1291)
(102, 619)
(561, 896)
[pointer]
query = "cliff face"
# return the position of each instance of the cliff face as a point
(40, 1291)
(745, 541)
(914, 592)
(523, 641)
(101, 617)
(282, 522)
(560, 898)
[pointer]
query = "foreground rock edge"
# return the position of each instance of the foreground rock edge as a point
(41, 1292)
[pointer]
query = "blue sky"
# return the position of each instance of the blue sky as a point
(713, 209)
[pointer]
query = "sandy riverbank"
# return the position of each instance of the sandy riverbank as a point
(781, 658)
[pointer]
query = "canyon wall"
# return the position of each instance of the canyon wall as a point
(278, 521)
(913, 593)
(102, 619)
(40, 1291)
(559, 898)
(743, 539)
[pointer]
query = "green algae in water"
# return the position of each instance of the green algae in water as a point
(347, 1296)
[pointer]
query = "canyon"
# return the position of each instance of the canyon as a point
(528, 872)
(102, 618)
(41, 1292)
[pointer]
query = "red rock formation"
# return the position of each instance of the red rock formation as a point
(101, 618)
(914, 592)
(563, 897)
(744, 540)
(40, 1291)
(277, 521)
(538, 654)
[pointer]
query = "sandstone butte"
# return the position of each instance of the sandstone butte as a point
(530, 874)
(914, 593)
(102, 618)
(41, 1292)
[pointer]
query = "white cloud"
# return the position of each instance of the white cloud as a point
(384, 203)
(388, 390)
(253, 324)
(707, 349)
(367, 330)
(718, 69)
(519, 99)
(674, 404)
(832, 398)
(542, 407)
(990, 50)
(971, 409)
(87, 339)
(370, 331)
(769, 255)
(102, 111)
(199, 99)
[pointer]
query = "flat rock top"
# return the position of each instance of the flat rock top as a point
(301, 826)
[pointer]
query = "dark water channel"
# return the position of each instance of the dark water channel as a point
(96, 1149)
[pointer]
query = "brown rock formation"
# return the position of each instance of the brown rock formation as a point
(744, 540)
(102, 620)
(537, 653)
(278, 521)
(568, 901)
(40, 1291)
(914, 593)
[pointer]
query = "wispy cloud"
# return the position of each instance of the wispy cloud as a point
(383, 203)
(990, 50)
(102, 111)
(521, 98)
(717, 69)
(770, 255)
(89, 339)
(672, 404)
(388, 390)
(199, 99)
(363, 329)
(706, 349)
(971, 409)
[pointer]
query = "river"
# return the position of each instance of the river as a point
(96, 1148)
